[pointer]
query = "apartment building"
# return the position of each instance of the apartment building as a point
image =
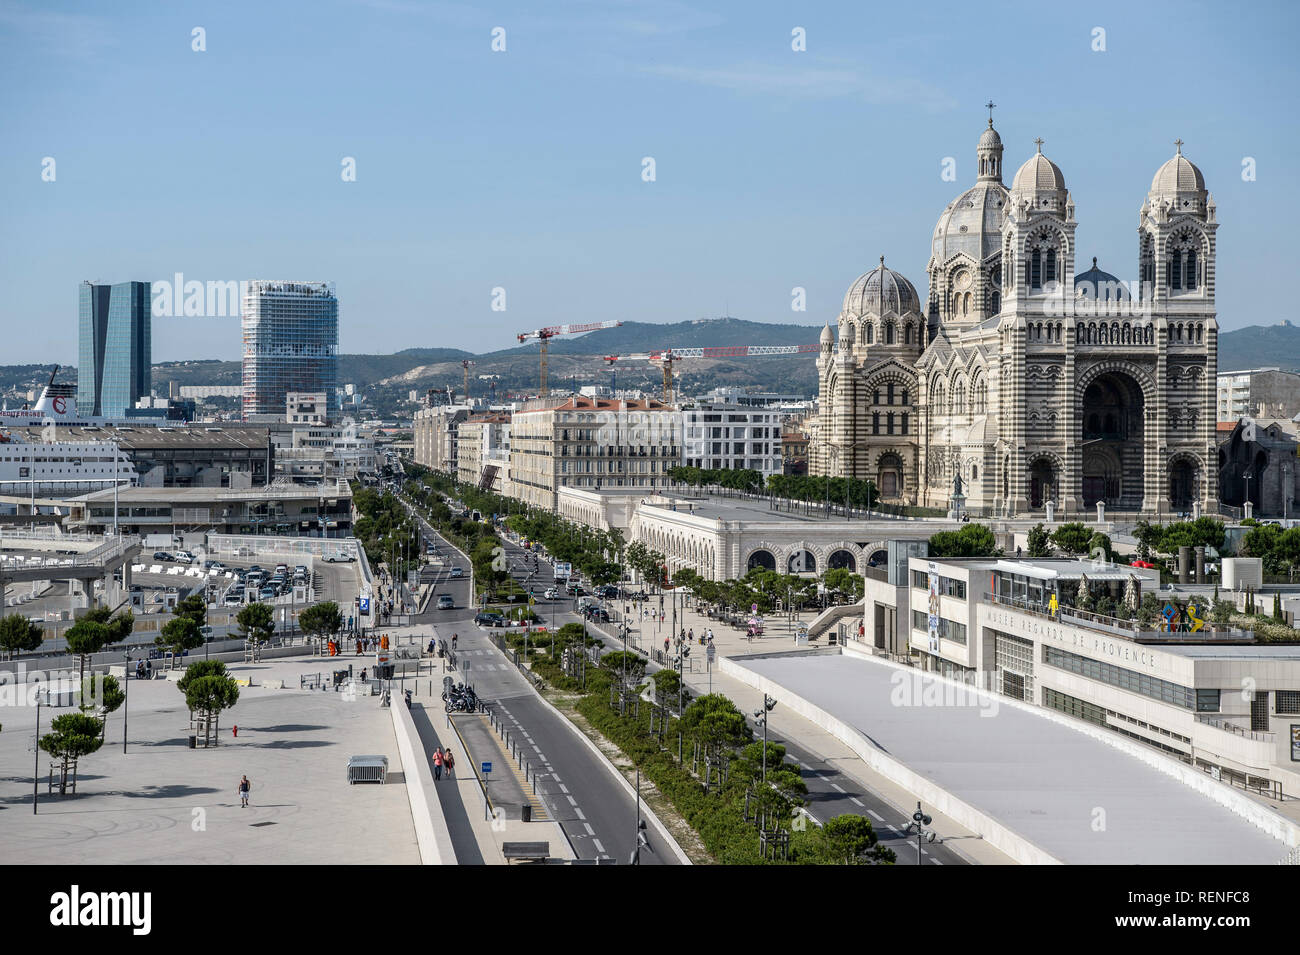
(591, 443)
(733, 436)
(483, 450)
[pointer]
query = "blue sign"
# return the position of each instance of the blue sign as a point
(365, 605)
(487, 768)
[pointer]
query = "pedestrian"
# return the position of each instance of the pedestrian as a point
(666, 645)
(358, 648)
(437, 764)
(454, 637)
(363, 674)
(690, 635)
(448, 762)
(244, 787)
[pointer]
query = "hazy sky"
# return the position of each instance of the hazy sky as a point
(522, 169)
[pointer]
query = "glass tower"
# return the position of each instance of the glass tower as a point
(116, 357)
(291, 342)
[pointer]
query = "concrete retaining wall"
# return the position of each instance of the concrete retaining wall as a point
(426, 810)
(993, 832)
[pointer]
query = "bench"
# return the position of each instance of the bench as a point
(527, 851)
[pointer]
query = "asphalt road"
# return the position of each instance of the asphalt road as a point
(597, 813)
(830, 792)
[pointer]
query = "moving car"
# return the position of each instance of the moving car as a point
(338, 557)
(551, 594)
(457, 572)
(489, 620)
(445, 602)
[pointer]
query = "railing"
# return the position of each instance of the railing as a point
(1065, 612)
(1222, 724)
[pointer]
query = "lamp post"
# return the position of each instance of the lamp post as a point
(918, 825)
(760, 716)
(126, 699)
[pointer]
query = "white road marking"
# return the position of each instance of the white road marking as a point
(837, 787)
(590, 831)
(572, 802)
(936, 862)
(856, 801)
(579, 812)
(875, 815)
(599, 847)
(896, 829)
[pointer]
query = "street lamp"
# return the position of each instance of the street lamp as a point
(918, 825)
(126, 698)
(760, 717)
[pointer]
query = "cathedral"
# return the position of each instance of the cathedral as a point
(1029, 381)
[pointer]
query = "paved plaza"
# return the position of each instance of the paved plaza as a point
(166, 803)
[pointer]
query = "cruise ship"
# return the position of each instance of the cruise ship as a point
(51, 466)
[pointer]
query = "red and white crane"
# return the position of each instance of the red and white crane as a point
(544, 336)
(666, 358)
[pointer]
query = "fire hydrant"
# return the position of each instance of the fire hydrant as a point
(235, 729)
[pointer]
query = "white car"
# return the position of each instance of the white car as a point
(551, 593)
(338, 557)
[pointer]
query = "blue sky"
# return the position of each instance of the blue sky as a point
(522, 169)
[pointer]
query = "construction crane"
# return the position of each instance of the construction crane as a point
(544, 336)
(465, 363)
(668, 357)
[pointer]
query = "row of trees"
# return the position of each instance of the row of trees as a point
(1074, 539)
(736, 479)
(765, 587)
(805, 487)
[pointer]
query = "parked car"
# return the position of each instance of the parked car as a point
(457, 572)
(489, 620)
(597, 614)
(609, 591)
(445, 602)
(266, 593)
(163, 557)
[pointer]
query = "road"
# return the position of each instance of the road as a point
(596, 812)
(830, 792)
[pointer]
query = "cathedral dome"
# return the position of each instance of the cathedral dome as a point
(828, 336)
(972, 223)
(1177, 175)
(1039, 174)
(1100, 286)
(989, 139)
(879, 291)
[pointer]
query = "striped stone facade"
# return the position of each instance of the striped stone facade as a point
(1032, 382)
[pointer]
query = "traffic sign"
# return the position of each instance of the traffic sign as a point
(487, 767)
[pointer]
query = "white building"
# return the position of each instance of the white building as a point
(1010, 626)
(732, 436)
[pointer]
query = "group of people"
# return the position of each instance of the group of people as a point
(143, 670)
(370, 644)
(442, 760)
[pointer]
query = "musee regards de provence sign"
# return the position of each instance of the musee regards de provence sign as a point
(1077, 639)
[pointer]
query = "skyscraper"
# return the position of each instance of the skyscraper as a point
(116, 358)
(291, 339)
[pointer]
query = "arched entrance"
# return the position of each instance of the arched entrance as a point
(842, 560)
(1043, 482)
(1184, 482)
(802, 562)
(761, 559)
(889, 475)
(1112, 414)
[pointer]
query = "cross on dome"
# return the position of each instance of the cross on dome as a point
(1039, 143)
(991, 105)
